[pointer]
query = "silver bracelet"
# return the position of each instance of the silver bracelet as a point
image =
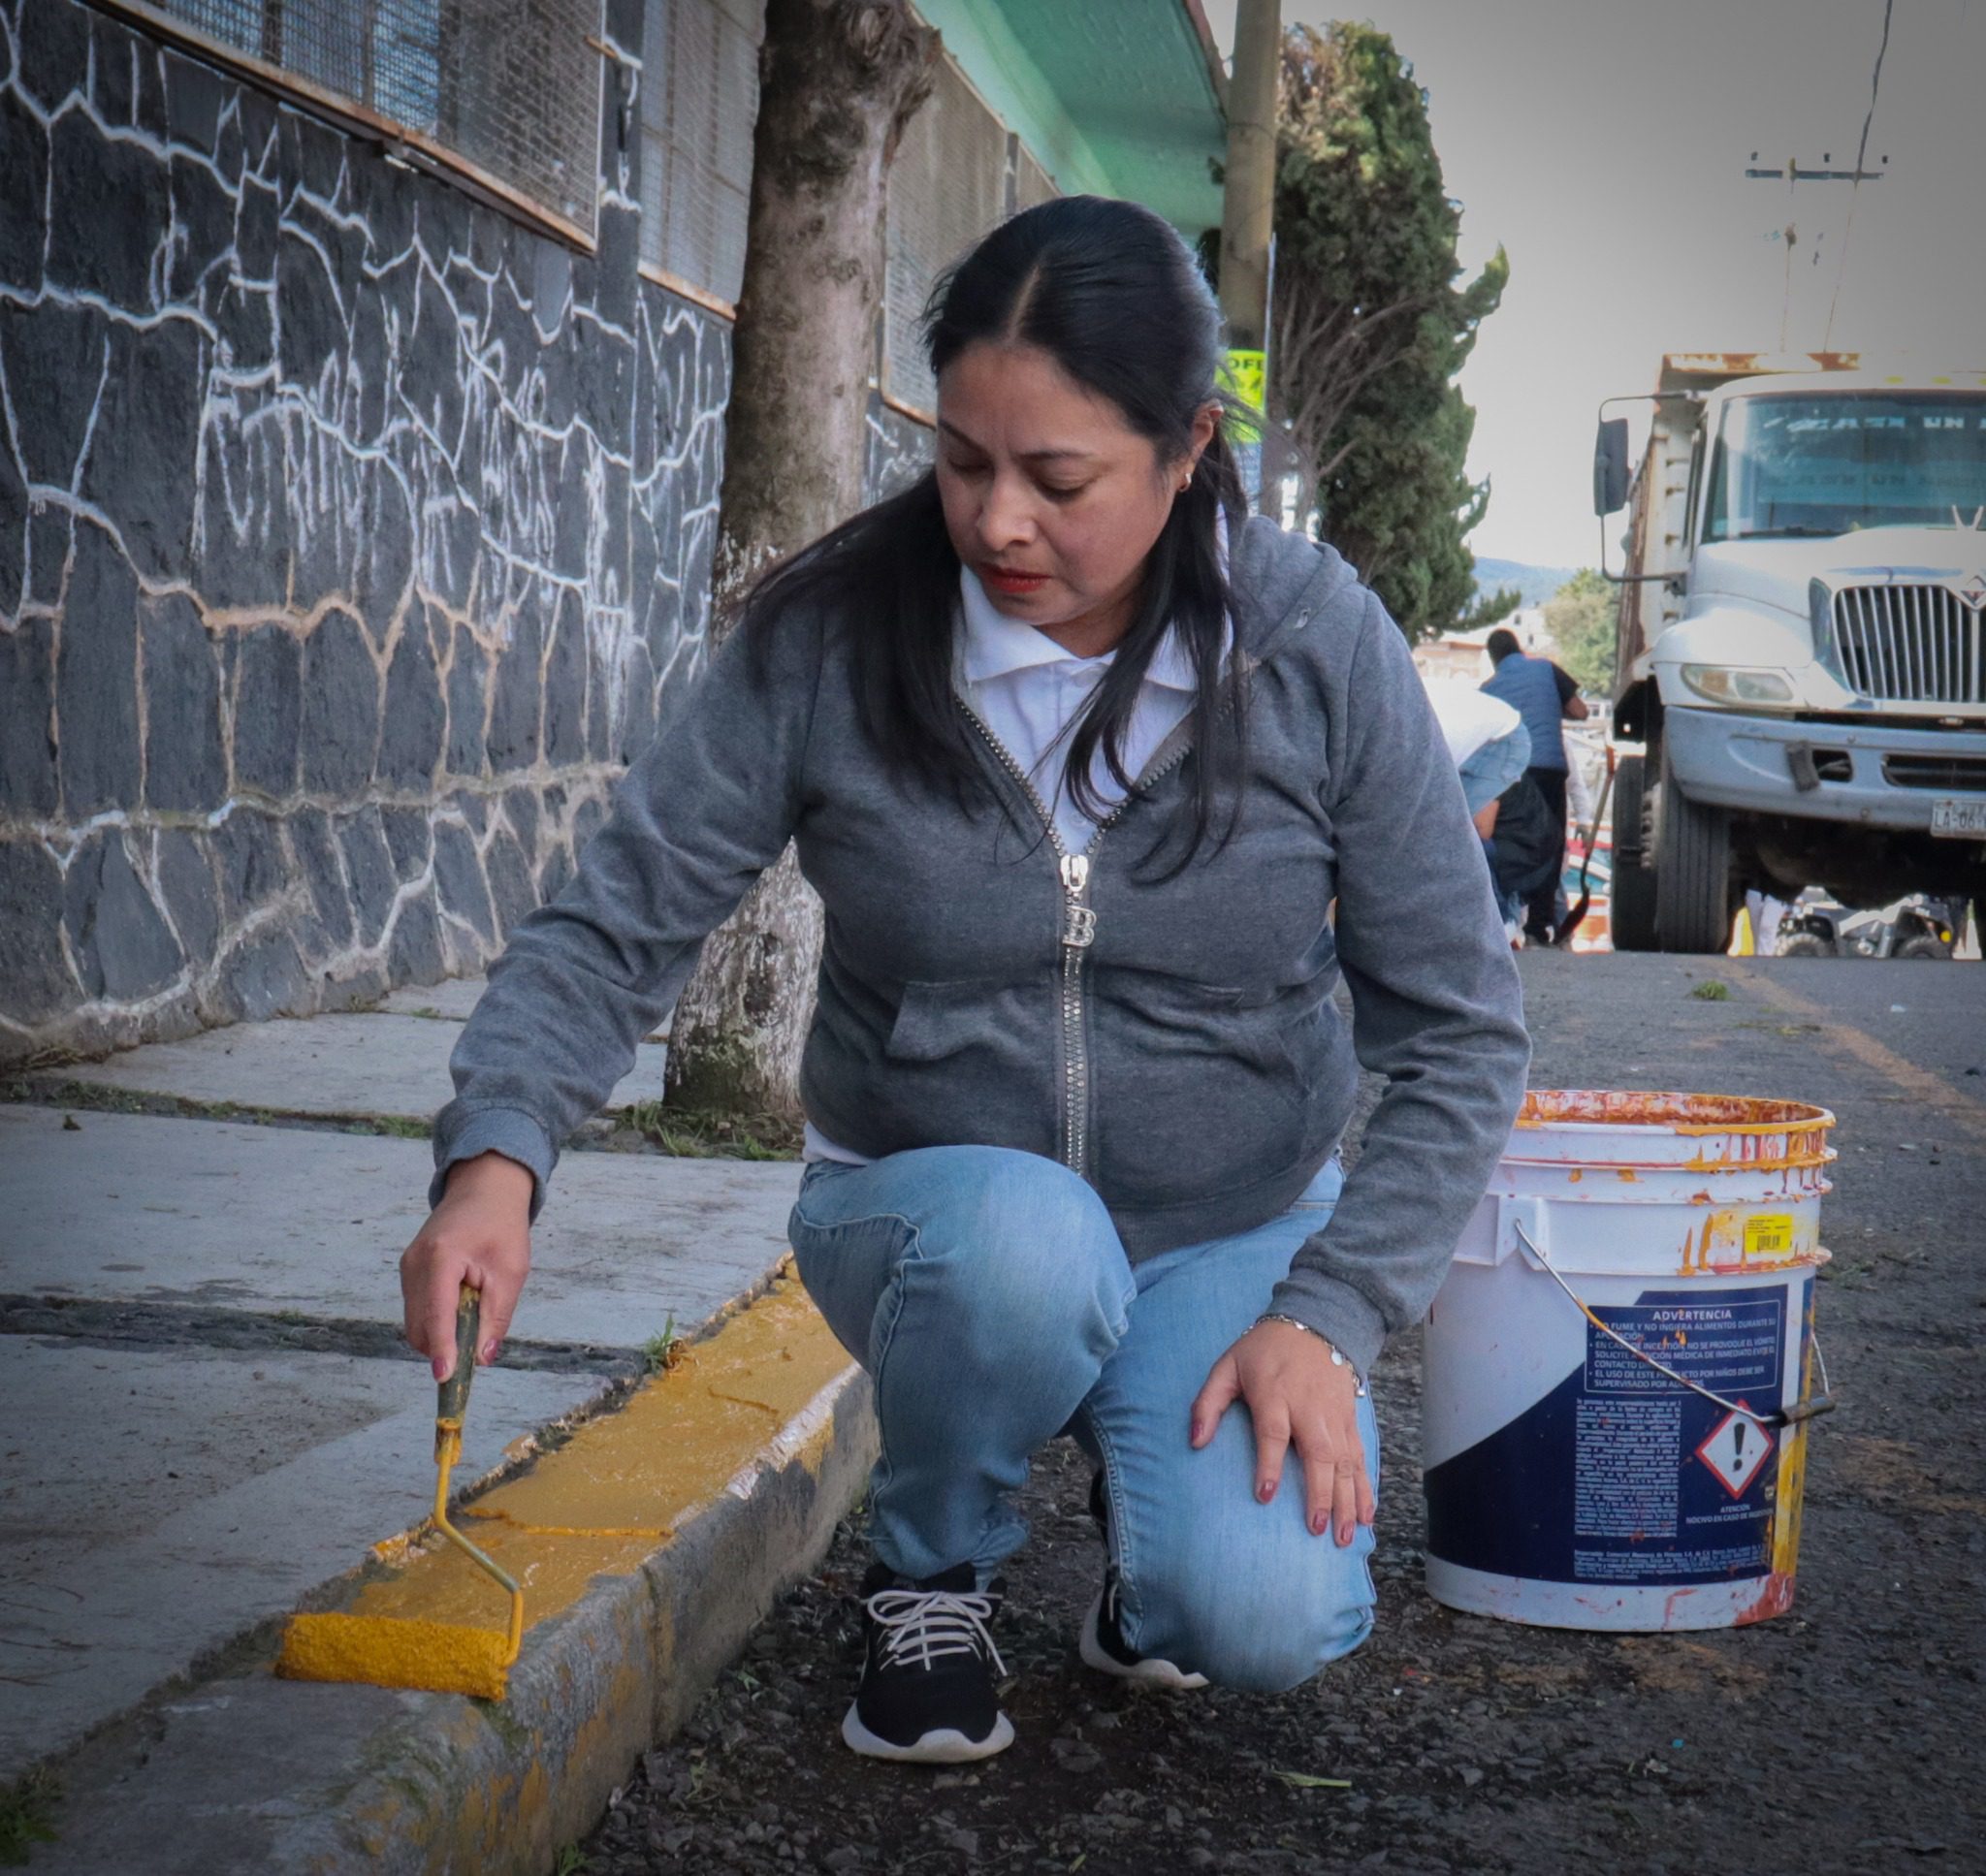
(1337, 1354)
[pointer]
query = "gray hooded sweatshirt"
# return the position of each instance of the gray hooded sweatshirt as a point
(1174, 1041)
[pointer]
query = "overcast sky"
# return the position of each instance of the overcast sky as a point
(1603, 142)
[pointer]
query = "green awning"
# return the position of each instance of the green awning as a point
(1113, 97)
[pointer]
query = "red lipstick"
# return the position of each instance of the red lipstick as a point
(1014, 584)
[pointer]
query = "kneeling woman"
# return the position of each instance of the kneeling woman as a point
(1077, 758)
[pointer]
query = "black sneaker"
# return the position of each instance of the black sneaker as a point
(929, 1669)
(1103, 1645)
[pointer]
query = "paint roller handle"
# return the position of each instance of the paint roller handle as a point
(452, 1396)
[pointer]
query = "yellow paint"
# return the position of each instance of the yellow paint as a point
(660, 1534)
(601, 1503)
(1673, 1663)
(1738, 1239)
(431, 1655)
(1791, 1488)
(1892, 1476)
(1920, 1084)
(440, 1656)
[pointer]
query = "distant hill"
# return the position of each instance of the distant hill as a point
(1536, 583)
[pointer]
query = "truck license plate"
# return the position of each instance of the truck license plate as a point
(1960, 821)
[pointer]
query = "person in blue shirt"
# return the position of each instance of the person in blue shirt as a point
(1545, 697)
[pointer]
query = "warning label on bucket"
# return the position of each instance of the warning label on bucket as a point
(1738, 1446)
(1640, 1438)
(1621, 1473)
(1725, 1344)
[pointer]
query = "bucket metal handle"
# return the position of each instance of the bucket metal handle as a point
(1782, 1416)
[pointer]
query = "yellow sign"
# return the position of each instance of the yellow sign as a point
(1244, 377)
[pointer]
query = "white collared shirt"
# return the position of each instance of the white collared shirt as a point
(1028, 691)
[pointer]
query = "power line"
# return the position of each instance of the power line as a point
(1855, 187)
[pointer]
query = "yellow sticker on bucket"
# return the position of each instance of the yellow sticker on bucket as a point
(1769, 1236)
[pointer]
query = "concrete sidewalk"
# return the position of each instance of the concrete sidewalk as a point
(210, 1420)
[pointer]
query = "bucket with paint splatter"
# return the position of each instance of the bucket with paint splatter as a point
(1620, 1365)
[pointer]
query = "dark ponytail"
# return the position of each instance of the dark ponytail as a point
(1111, 292)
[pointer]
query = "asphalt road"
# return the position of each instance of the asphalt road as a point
(1839, 1737)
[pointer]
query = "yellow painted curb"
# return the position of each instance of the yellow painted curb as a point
(758, 1391)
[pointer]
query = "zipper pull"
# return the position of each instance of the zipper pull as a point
(1079, 921)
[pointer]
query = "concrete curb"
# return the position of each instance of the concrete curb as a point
(245, 1773)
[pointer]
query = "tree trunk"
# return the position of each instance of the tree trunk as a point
(839, 81)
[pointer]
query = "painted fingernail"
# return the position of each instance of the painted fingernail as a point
(1344, 1534)
(1318, 1521)
(488, 1353)
(1266, 1490)
(440, 1368)
(1193, 1433)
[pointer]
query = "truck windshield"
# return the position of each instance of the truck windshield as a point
(1791, 464)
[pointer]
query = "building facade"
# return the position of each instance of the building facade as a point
(362, 386)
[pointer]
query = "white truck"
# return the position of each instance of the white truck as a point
(1802, 641)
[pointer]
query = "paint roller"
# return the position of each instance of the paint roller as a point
(437, 1657)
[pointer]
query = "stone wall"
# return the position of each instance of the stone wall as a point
(350, 531)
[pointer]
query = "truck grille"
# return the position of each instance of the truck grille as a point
(1910, 645)
(1949, 772)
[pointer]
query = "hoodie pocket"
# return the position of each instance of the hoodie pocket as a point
(1198, 1092)
(935, 1021)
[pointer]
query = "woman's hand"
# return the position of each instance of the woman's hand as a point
(480, 1234)
(1295, 1394)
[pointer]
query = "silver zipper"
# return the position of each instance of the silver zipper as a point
(1077, 934)
(1078, 931)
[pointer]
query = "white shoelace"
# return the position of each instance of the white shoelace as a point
(1113, 1599)
(922, 1624)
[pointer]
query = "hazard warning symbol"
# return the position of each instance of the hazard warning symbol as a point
(1737, 1447)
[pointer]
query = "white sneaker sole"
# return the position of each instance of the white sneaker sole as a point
(1150, 1671)
(943, 1746)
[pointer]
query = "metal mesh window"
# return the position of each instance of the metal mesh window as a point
(699, 90)
(510, 86)
(946, 188)
(1032, 185)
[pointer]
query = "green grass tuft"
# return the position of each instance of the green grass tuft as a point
(27, 1815)
(1712, 990)
(662, 1350)
(705, 1133)
(403, 1126)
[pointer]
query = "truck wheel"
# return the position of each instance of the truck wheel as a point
(1692, 872)
(1924, 946)
(1803, 945)
(1633, 910)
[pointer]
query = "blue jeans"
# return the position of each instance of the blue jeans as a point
(988, 1296)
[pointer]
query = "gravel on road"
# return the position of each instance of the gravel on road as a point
(1838, 1739)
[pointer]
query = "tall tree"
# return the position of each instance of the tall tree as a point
(839, 81)
(1580, 618)
(1370, 323)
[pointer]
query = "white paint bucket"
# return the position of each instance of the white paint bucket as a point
(1570, 1481)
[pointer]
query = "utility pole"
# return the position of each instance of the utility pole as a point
(1248, 204)
(1248, 211)
(1792, 172)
